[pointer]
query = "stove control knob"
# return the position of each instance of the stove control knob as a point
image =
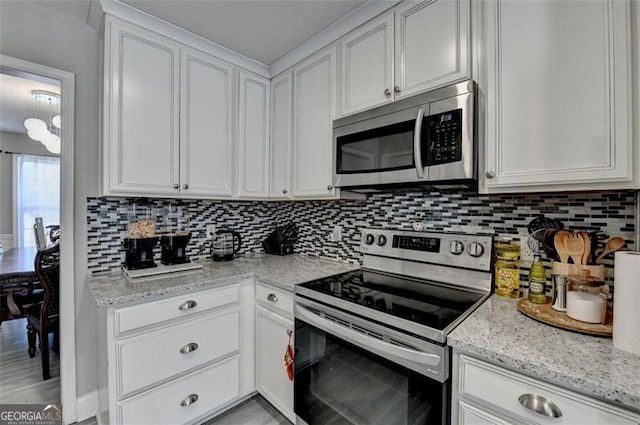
(456, 247)
(382, 240)
(476, 249)
(369, 239)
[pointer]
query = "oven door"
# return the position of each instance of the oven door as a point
(340, 379)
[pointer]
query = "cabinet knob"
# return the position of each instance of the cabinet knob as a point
(329, 187)
(176, 186)
(190, 399)
(540, 405)
(185, 186)
(387, 92)
(396, 89)
(490, 174)
(273, 298)
(285, 191)
(192, 346)
(187, 305)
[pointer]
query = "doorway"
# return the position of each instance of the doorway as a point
(36, 213)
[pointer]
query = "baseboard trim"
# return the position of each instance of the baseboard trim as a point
(87, 406)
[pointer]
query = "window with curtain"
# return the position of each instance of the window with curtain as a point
(37, 194)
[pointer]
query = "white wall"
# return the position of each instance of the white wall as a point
(39, 34)
(21, 143)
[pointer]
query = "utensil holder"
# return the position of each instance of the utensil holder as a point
(566, 269)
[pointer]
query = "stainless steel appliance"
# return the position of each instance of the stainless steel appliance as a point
(223, 246)
(427, 139)
(371, 345)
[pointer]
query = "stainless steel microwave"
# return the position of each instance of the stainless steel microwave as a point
(427, 139)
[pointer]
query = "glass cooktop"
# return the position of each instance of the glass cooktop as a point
(427, 303)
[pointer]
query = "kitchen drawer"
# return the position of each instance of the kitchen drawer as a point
(137, 316)
(502, 389)
(213, 386)
(275, 299)
(155, 356)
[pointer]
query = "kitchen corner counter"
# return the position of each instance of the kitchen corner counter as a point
(499, 333)
(284, 272)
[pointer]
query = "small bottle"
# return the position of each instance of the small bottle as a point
(537, 281)
(507, 269)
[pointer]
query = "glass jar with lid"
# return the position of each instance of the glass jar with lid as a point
(586, 298)
(507, 268)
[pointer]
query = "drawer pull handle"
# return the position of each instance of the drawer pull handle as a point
(187, 305)
(190, 399)
(192, 346)
(273, 298)
(540, 405)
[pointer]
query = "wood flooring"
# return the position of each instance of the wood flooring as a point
(255, 411)
(21, 376)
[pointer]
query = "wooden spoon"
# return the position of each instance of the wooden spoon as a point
(558, 241)
(587, 247)
(574, 244)
(612, 245)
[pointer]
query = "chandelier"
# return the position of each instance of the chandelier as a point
(45, 126)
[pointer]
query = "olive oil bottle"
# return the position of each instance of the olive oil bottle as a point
(537, 281)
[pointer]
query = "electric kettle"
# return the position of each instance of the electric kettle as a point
(223, 246)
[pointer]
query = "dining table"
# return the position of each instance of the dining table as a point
(17, 274)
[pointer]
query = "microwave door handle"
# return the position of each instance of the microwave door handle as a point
(417, 144)
(376, 346)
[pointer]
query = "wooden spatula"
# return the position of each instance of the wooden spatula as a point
(558, 242)
(574, 244)
(587, 247)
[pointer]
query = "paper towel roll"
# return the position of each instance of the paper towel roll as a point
(626, 302)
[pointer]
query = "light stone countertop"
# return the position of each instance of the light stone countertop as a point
(283, 272)
(499, 333)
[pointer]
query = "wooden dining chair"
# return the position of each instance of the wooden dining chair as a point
(43, 318)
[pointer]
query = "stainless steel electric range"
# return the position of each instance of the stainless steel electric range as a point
(371, 345)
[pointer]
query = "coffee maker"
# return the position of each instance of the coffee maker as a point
(223, 246)
(139, 253)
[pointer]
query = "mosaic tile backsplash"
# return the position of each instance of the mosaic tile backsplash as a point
(610, 212)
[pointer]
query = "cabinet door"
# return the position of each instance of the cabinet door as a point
(432, 44)
(471, 415)
(313, 112)
(253, 135)
(141, 105)
(558, 101)
(281, 129)
(271, 343)
(366, 68)
(206, 122)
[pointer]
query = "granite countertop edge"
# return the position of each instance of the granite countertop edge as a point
(597, 378)
(113, 289)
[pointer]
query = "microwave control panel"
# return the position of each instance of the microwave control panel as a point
(445, 137)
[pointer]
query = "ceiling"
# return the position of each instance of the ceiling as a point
(16, 101)
(263, 30)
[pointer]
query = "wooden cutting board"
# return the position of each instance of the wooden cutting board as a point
(545, 314)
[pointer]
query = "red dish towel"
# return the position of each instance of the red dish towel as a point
(288, 360)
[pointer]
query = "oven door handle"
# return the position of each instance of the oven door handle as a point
(379, 347)
(417, 144)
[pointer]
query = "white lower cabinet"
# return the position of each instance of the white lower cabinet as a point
(273, 324)
(176, 360)
(483, 393)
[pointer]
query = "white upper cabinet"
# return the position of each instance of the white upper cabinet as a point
(432, 44)
(281, 130)
(418, 46)
(141, 111)
(313, 100)
(366, 71)
(253, 135)
(206, 123)
(558, 95)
